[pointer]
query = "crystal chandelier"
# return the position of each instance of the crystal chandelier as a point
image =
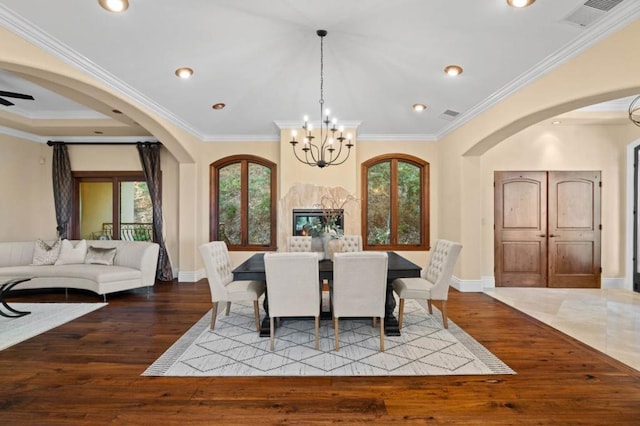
(323, 152)
(634, 111)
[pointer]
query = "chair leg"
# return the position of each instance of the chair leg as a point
(214, 314)
(336, 328)
(271, 331)
(444, 314)
(256, 312)
(429, 307)
(381, 334)
(317, 331)
(400, 313)
(228, 308)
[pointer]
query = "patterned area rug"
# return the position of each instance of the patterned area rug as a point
(235, 349)
(43, 317)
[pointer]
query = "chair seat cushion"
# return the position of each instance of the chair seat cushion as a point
(244, 290)
(412, 288)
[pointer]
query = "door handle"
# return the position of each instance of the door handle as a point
(551, 235)
(542, 235)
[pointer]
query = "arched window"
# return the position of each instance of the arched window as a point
(243, 202)
(395, 211)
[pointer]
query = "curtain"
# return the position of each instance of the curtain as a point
(150, 159)
(62, 188)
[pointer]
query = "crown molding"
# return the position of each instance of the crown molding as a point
(23, 28)
(618, 18)
(23, 135)
(397, 138)
(241, 138)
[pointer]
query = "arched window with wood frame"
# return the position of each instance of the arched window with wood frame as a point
(395, 203)
(243, 202)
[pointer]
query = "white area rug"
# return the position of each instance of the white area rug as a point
(43, 317)
(235, 349)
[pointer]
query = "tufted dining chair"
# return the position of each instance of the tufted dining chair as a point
(435, 280)
(297, 243)
(351, 243)
(292, 287)
(359, 288)
(223, 288)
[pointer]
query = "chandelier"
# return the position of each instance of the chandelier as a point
(323, 152)
(634, 111)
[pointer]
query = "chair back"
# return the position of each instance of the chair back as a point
(293, 285)
(351, 243)
(218, 266)
(359, 284)
(440, 267)
(297, 243)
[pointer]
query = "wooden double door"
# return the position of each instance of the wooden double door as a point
(547, 229)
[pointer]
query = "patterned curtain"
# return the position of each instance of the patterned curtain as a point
(150, 159)
(62, 188)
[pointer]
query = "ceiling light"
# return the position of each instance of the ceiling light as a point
(419, 107)
(520, 3)
(634, 111)
(556, 122)
(116, 111)
(321, 153)
(114, 5)
(453, 70)
(219, 105)
(184, 72)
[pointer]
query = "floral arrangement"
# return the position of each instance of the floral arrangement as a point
(332, 209)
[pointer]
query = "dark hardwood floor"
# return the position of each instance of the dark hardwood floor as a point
(88, 372)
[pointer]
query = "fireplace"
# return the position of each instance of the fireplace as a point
(312, 222)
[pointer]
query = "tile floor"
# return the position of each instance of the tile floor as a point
(605, 319)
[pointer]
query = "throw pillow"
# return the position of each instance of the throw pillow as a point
(100, 255)
(45, 254)
(72, 255)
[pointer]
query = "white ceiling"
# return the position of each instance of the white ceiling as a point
(262, 59)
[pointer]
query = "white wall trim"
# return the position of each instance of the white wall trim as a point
(614, 283)
(466, 286)
(191, 276)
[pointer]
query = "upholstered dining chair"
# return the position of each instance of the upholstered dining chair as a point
(223, 288)
(435, 280)
(292, 287)
(297, 243)
(351, 243)
(359, 288)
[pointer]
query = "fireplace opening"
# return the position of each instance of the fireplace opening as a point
(315, 222)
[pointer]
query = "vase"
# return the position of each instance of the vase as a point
(326, 237)
(334, 246)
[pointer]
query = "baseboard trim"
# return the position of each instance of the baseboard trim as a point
(191, 276)
(467, 286)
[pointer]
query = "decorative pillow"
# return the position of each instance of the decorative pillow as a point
(100, 255)
(70, 254)
(45, 254)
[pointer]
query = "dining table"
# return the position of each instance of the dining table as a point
(398, 267)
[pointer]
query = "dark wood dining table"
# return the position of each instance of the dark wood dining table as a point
(398, 267)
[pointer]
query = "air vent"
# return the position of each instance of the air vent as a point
(591, 11)
(449, 114)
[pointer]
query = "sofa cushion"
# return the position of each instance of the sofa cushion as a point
(100, 255)
(97, 273)
(45, 254)
(70, 254)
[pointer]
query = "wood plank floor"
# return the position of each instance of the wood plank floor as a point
(88, 372)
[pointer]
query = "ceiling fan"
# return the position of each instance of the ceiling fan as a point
(5, 102)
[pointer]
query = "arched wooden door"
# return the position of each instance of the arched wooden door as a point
(547, 229)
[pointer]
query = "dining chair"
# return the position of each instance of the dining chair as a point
(292, 288)
(298, 243)
(351, 243)
(434, 282)
(223, 288)
(359, 288)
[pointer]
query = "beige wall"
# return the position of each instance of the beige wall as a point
(566, 147)
(26, 194)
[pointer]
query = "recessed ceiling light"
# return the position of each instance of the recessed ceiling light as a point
(114, 5)
(116, 111)
(184, 72)
(520, 3)
(556, 122)
(419, 107)
(453, 70)
(98, 132)
(219, 105)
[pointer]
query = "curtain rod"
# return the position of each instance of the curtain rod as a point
(51, 143)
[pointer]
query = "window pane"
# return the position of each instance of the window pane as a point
(229, 225)
(379, 204)
(409, 204)
(259, 204)
(136, 212)
(96, 210)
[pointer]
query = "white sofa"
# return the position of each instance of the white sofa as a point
(134, 266)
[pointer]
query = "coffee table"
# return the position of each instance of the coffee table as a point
(5, 288)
